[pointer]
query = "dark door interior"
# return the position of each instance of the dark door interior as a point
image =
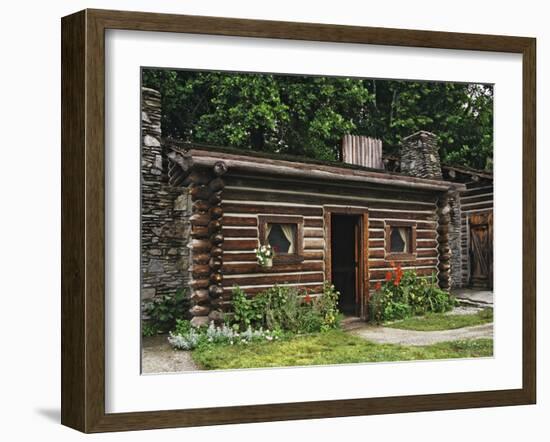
(344, 243)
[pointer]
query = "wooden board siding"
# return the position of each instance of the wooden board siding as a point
(477, 199)
(249, 198)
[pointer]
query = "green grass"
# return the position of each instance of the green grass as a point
(334, 347)
(440, 321)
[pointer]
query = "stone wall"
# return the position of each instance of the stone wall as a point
(455, 239)
(165, 211)
(420, 156)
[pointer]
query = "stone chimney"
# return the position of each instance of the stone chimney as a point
(362, 151)
(420, 156)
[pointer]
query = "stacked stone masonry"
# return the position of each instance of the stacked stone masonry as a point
(165, 212)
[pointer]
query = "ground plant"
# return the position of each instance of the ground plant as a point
(287, 309)
(404, 294)
(163, 312)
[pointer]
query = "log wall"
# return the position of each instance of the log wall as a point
(247, 198)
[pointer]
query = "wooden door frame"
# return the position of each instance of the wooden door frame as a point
(362, 277)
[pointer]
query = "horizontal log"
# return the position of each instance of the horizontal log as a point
(240, 244)
(484, 190)
(200, 193)
(376, 243)
(200, 258)
(230, 281)
(376, 234)
(380, 224)
(199, 283)
(215, 226)
(314, 244)
(377, 264)
(317, 198)
(251, 257)
(318, 288)
(199, 310)
(199, 296)
(199, 271)
(313, 222)
(239, 221)
(379, 253)
(314, 233)
(197, 177)
(200, 245)
(198, 231)
(426, 234)
(380, 274)
(240, 233)
(477, 199)
(241, 269)
(386, 214)
(275, 209)
(426, 244)
(426, 253)
(340, 190)
(201, 206)
(199, 219)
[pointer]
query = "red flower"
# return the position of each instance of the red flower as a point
(307, 299)
(378, 285)
(388, 276)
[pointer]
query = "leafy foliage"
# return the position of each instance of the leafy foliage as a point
(403, 295)
(309, 115)
(286, 308)
(164, 311)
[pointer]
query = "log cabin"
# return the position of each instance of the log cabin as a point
(205, 209)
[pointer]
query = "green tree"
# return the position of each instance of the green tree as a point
(309, 115)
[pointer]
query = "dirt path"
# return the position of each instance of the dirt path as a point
(386, 335)
(159, 357)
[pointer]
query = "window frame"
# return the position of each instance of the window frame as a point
(399, 256)
(284, 258)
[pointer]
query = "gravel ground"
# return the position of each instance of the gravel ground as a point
(158, 357)
(386, 335)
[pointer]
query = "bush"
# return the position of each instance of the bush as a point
(163, 311)
(404, 294)
(148, 330)
(286, 308)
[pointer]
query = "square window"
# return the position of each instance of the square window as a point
(282, 237)
(400, 240)
(285, 234)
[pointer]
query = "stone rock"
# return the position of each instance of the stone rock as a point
(158, 162)
(150, 141)
(148, 293)
(181, 203)
(155, 252)
(155, 266)
(145, 117)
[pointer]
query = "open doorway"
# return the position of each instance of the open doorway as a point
(346, 259)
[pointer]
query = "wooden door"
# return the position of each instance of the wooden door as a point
(481, 250)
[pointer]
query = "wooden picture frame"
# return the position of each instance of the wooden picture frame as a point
(83, 220)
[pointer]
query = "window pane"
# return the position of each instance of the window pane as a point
(282, 237)
(400, 239)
